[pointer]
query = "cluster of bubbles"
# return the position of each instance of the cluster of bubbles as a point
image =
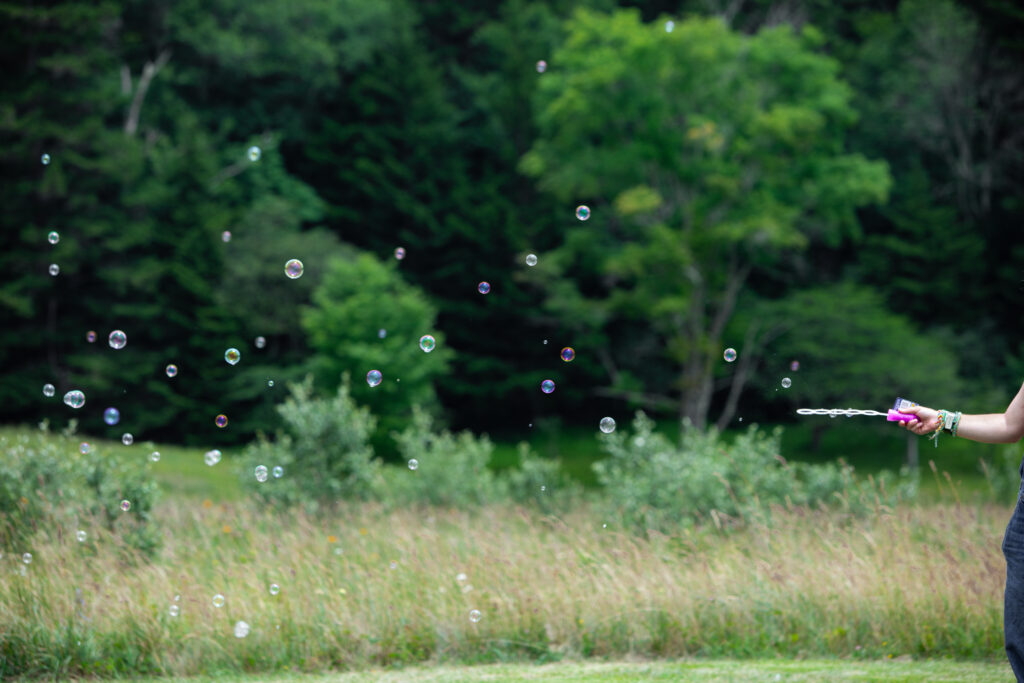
(427, 343)
(74, 398)
(374, 378)
(293, 268)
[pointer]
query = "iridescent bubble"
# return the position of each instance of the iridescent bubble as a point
(547, 386)
(111, 416)
(154, 456)
(218, 600)
(54, 269)
(583, 212)
(241, 629)
(84, 448)
(49, 390)
(126, 505)
(483, 287)
(81, 536)
(45, 159)
(381, 333)
(794, 366)
(607, 425)
(260, 342)
(374, 377)
(261, 473)
(278, 472)
(53, 237)
(127, 439)
(74, 398)
(786, 383)
(531, 259)
(232, 356)
(171, 370)
(670, 26)
(400, 253)
(474, 615)
(90, 336)
(542, 66)
(254, 153)
(221, 420)
(174, 610)
(274, 589)
(568, 354)
(729, 355)
(117, 339)
(414, 464)
(27, 558)
(293, 268)
(211, 458)
(427, 343)
(270, 383)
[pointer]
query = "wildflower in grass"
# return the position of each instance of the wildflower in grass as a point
(332, 539)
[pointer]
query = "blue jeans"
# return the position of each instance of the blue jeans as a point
(1013, 600)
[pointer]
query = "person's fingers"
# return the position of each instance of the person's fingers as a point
(911, 410)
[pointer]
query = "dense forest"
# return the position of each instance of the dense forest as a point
(833, 189)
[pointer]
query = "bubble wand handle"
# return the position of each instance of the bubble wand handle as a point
(897, 416)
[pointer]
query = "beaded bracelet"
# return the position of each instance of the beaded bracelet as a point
(956, 423)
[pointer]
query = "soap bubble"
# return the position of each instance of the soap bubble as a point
(607, 425)
(74, 398)
(117, 339)
(474, 615)
(211, 458)
(427, 343)
(261, 473)
(483, 287)
(218, 600)
(81, 536)
(126, 505)
(670, 26)
(53, 237)
(547, 386)
(293, 268)
(278, 472)
(542, 66)
(241, 629)
(84, 448)
(414, 464)
(48, 390)
(583, 212)
(174, 610)
(794, 366)
(260, 342)
(90, 336)
(155, 456)
(729, 355)
(221, 420)
(111, 416)
(45, 159)
(54, 269)
(568, 354)
(171, 370)
(254, 153)
(274, 589)
(381, 333)
(232, 356)
(225, 236)
(374, 377)
(786, 383)
(27, 558)
(127, 439)
(531, 259)
(400, 253)
(270, 383)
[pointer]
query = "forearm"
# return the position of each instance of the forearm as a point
(993, 428)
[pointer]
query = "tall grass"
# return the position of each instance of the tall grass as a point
(369, 587)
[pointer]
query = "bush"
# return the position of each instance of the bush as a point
(45, 480)
(652, 484)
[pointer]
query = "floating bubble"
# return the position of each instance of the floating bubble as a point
(90, 336)
(54, 269)
(274, 589)
(547, 386)
(729, 355)
(270, 383)
(374, 377)
(427, 343)
(117, 339)
(81, 536)
(74, 398)
(232, 356)
(254, 153)
(218, 600)
(225, 236)
(171, 370)
(111, 416)
(483, 287)
(474, 615)
(293, 268)
(542, 66)
(260, 342)
(261, 473)
(84, 448)
(49, 390)
(27, 558)
(670, 26)
(583, 212)
(154, 456)
(221, 420)
(53, 237)
(400, 253)
(126, 505)
(278, 472)
(786, 383)
(45, 159)
(568, 353)
(174, 610)
(607, 425)
(414, 464)
(531, 259)
(381, 333)
(241, 629)
(211, 458)
(127, 439)
(794, 366)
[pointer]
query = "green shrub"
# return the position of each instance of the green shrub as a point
(541, 482)
(45, 480)
(653, 484)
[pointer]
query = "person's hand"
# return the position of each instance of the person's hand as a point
(927, 420)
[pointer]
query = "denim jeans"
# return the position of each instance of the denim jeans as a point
(1013, 600)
